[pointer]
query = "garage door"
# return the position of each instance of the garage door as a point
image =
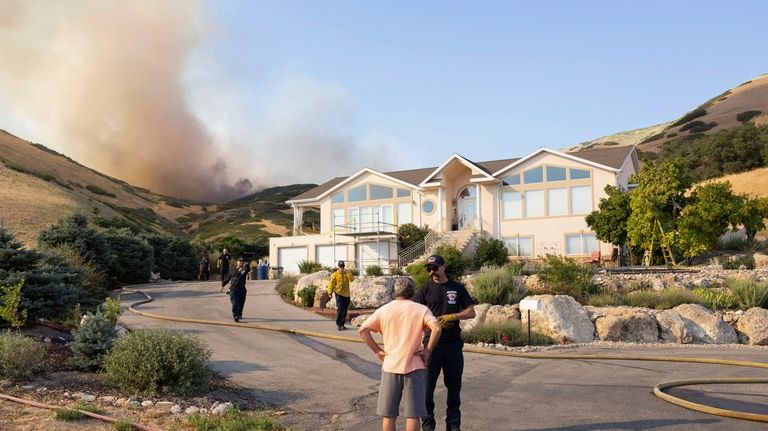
(289, 258)
(372, 253)
(329, 255)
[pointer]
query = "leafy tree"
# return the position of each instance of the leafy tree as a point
(232, 243)
(751, 214)
(10, 297)
(490, 251)
(456, 264)
(609, 222)
(409, 234)
(708, 216)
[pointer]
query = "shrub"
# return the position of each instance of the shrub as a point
(234, 420)
(93, 339)
(68, 415)
(122, 425)
(158, 361)
(309, 266)
(696, 113)
(20, 357)
(95, 282)
(307, 296)
(418, 273)
(662, 300)
(698, 126)
(604, 299)
(133, 256)
(747, 115)
(111, 309)
(90, 408)
(490, 251)
(10, 297)
(456, 264)
(564, 276)
(506, 333)
(736, 243)
(409, 234)
(747, 261)
(285, 286)
(175, 258)
(373, 270)
(748, 294)
(715, 299)
(99, 191)
(498, 287)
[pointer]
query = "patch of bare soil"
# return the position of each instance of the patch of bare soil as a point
(61, 386)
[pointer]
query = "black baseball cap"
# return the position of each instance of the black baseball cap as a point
(435, 260)
(341, 264)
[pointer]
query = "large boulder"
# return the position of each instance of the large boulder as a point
(502, 313)
(761, 260)
(372, 292)
(703, 325)
(316, 280)
(634, 325)
(754, 324)
(480, 311)
(673, 328)
(561, 318)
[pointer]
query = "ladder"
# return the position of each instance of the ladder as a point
(666, 250)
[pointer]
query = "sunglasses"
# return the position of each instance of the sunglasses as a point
(432, 268)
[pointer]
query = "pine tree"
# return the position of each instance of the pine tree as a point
(93, 340)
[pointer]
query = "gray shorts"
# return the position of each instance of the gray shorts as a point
(411, 387)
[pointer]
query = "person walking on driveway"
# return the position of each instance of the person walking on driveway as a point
(237, 290)
(339, 284)
(403, 377)
(205, 269)
(450, 302)
(223, 264)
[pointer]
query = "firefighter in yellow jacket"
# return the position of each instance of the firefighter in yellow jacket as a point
(339, 284)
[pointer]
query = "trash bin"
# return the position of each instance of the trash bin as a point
(263, 272)
(275, 272)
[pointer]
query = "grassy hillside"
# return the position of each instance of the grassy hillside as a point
(39, 186)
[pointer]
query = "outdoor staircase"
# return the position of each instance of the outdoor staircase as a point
(423, 249)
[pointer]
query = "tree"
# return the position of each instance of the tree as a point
(490, 251)
(609, 222)
(234, 245)
(175, 258)
(751, 214)
(132, 256)
(409, 234)
(74, 232)
(707, 217)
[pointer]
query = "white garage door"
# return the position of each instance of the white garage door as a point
(329, 255)
(372, 253)
(289, 258)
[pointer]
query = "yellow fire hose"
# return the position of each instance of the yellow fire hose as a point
(658, 390)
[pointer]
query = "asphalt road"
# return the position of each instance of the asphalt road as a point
(332, 385)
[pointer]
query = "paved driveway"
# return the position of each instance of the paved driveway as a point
(332, 385)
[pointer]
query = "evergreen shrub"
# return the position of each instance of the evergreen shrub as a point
(498, 286)
(373, 270)
(307, 296)
(158, 361)
(505, 333)
(20, 357)
(564, 276)
(418, 273)
(490, 251)
(93, 339)
(309, 266)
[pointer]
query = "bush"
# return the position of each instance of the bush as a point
(133, 257)
(696, 113)
(95, 281)
(498, 287)
(748, 294)
(307, 296)
(309, 266)
(10, 298)
(174, 257)
(506, 333)
(747, 261)
(234, 245)
(456, 264)
(698, 126)
(662, 300)
(20, 357)
(111, 309)
(68, 415)
(234, 420)
(158, 361)
(285, 286)
(373, 270)
(122, 425)
(564, 276)
(409, 234)
(745, 116)
(490, 251)
(715, 299)
(418, 273)
(604, 299)
(93, 339)
(99, 191)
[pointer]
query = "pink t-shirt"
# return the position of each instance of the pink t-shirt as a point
(401, 323)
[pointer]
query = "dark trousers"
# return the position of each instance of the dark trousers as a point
(224, 276)
(342, 305)
(238, 302)
(448, 358)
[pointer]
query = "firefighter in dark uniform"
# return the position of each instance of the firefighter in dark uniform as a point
(223, 264)
(450, 302)
(237, 290)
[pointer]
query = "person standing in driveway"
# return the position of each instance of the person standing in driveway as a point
(450, 302)
(237, 290)
(223, 264)
(403, 377)
(339, 284)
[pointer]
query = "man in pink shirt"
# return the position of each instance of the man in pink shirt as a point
(402, 323)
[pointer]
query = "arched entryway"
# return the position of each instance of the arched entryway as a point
(466, 206)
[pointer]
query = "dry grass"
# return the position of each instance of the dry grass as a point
(754, 183)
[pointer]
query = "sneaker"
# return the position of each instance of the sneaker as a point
(340, 327)
(237, 319)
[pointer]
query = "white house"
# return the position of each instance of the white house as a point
(536, 204)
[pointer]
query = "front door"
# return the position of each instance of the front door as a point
(467, 207)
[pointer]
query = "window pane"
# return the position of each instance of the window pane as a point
(338, 217)
(573, 244)
(579, 174)
(535, 175)
(338, 198)
(512, 205)
(386, 214)
(428, 207)
(512, 180)
(404, 214)
(511, 244)
(357, 194)
(557, 202)
(380, 192)
(534, 203)
(555, 173)
(525, 246)
(590, 243)
(581, 200)
(353, 221)
(403, 193)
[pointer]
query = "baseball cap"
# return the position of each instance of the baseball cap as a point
(435, 260)
(341, 263)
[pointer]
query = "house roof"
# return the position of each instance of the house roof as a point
(613, 157)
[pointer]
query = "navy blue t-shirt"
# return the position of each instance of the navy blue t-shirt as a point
(447, 298)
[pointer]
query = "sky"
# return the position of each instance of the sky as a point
(250, 94)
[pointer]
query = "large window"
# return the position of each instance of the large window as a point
(579, 174)
(519, 246)
(535, 175)
(581, 200)
(580, 244)
(380, 192)
(557, 202)
(512, 205)
(534, 203)
(357, 194)
(404, 213)
(512, 180)
(338, 218)
(555, 173)
(338, 198)
(403, 193)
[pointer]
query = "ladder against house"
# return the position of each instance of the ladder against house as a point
(423, 249)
